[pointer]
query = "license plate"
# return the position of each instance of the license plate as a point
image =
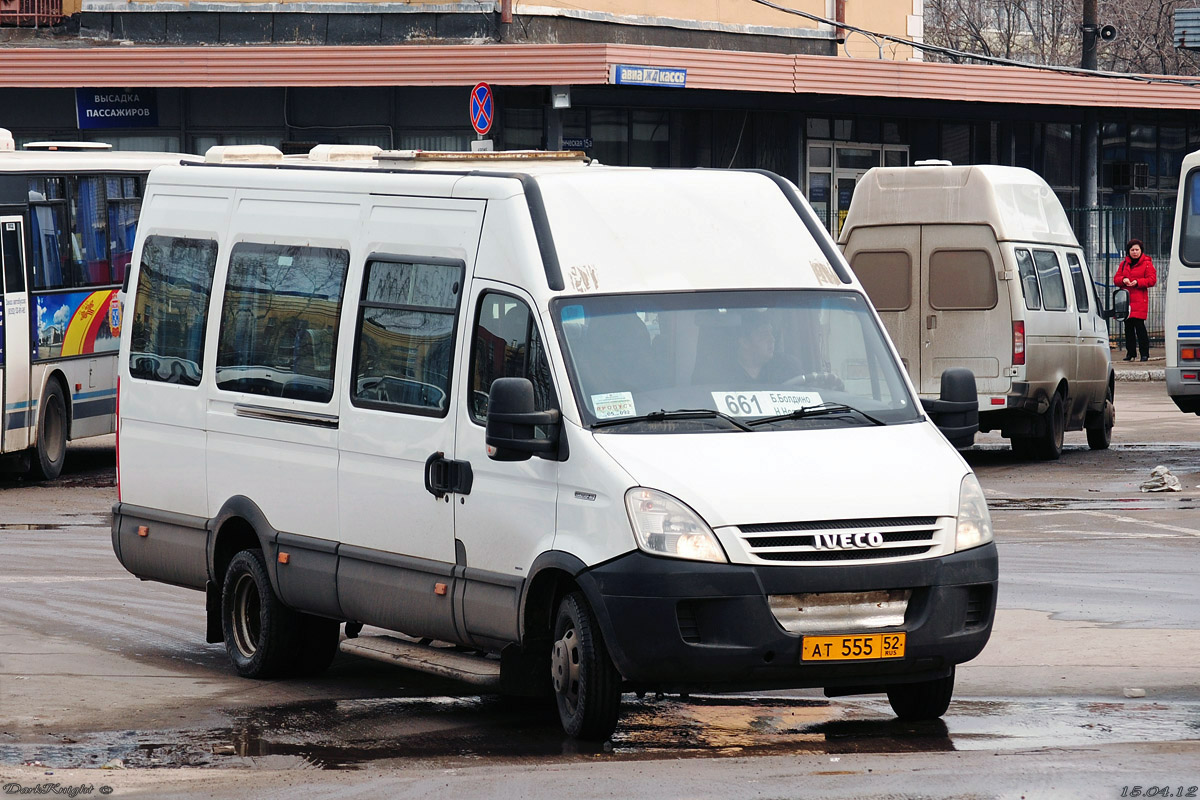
(852, 648)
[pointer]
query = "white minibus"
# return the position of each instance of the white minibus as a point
(556, 429)
(1182, 318)
(68, 213)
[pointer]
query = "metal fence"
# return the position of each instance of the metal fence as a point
(30, 13)
(1111, 228)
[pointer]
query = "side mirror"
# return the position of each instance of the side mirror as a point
(511, 420)
(1120, 305)
(956, 413)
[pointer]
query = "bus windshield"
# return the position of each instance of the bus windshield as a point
(730, 361)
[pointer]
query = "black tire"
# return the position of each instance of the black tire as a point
(914, 702)
(262, 635)
(1023, 447)
(1099, 425)
(1048, 444)
(51, 433)
(319, 640)
(587, 687)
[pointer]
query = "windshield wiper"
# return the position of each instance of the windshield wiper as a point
(663, 415)
(817, 411)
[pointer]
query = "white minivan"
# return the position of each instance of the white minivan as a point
(561, 430)
(977, 267)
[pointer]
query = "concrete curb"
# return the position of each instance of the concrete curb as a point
(1141, 375)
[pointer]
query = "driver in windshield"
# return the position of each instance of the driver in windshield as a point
(754, 352)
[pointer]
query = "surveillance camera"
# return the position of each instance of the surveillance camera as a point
(1108, 33)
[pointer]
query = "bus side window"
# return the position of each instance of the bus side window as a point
(507, 345)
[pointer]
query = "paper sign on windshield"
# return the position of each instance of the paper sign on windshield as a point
(763, 404)
(613, 404)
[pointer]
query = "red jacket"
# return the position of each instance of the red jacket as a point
(1142, 272)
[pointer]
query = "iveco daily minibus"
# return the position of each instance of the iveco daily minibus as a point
(557, 429)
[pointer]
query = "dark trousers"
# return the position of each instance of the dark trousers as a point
(1135, 337)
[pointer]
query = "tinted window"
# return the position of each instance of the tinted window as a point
(1054, 293)
(507, 345)
(887, 278)
(47, 223)
(88, 239)
(962, 280)
(1079, 282)
(124, 205)
(171, 308)
(279, 320)
(1189, 234)
(1029, 281)
(405, 346)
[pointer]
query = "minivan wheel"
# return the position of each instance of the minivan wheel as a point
(925, 700)
(51, 433)
(261, 633)
(1049, 443)
(1099, 425)
(587, 687)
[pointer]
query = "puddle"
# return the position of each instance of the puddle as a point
(1165, 501)
(56, 526)
(443, 731)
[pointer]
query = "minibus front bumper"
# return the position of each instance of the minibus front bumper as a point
(675, 625)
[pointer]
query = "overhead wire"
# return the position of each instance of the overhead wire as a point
(950, 51)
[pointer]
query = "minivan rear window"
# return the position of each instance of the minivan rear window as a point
(1054, 292)
(1029, 281)
(886, 275)
(962, 280)
(279, 320)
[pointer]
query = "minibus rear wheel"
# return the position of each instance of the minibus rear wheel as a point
(1049, 443)
(1099, 425)
(925, 700)
(587, 687)
(261, 633)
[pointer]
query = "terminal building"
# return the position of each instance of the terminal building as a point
(687, 83)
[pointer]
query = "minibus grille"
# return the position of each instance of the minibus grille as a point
(826, 541)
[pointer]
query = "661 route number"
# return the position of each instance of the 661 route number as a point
(742, 404)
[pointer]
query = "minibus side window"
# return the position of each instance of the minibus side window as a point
(1079, 282)
(171, 308)
(404, 348)
(279, 320)
(1029, 281)
(507, 345)
(1054, 293)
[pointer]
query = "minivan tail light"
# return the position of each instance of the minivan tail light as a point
(1019, 344)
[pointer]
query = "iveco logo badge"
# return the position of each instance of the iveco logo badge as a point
(847, 541)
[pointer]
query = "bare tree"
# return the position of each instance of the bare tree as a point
(1048, 32)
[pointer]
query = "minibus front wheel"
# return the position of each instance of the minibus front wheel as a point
(924, 700)
(587, 687)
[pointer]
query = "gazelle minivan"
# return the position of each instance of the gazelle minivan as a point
(602, 429)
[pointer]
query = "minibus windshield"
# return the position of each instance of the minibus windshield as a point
(736, 361)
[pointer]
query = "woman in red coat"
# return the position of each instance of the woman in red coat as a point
(1136, 274)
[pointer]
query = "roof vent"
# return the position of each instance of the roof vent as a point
(7, 145)
(70, 147)
(242, 154)
(933, 162)
(344, 152)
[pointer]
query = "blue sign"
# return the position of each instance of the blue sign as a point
(116, 108)
(666, 77)
(577, 143)
(482, 108)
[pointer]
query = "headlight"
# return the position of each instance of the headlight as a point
(974, 521)
(666, 527)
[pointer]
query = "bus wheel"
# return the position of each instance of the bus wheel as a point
(51, 433)
(1049, 443)
(925, 700)
(587, 687)
(1099, 426)
(261, 633)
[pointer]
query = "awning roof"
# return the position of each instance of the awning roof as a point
(580, 64)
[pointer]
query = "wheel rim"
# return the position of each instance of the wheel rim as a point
(246, 609)
(564, 668)
(1060, 426)
(53, 427)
